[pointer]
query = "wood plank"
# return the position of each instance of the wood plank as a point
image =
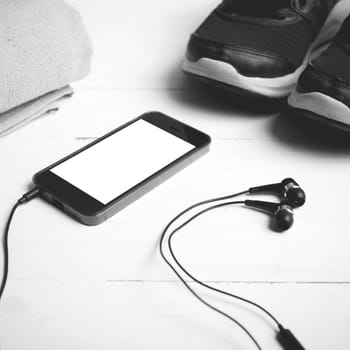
(143, 315)
(139, 44)
(244, 153)
(106, 287)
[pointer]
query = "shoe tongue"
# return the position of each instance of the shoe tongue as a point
(259, 8)
(343, 35)
(272, 4)
(345, 28)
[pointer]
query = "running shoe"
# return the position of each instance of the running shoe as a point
(260, 47)
(323, 89)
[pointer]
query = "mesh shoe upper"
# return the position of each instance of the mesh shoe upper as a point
(336, 60)
(330, 73)
(266, 38)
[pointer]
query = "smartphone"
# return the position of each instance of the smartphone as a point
(102, 178)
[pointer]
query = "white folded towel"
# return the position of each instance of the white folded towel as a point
(34, 109)
(43, 48)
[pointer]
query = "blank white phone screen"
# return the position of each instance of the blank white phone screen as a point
(122, 160)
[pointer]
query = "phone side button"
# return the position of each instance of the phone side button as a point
(57, 204)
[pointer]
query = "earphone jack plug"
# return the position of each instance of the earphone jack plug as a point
(287, 339)
(29, 195)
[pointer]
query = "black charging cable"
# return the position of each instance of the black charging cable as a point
(284, 336)
(24, 199)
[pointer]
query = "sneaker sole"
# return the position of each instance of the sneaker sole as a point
(321, 107)
(233, 89)
(279, 87)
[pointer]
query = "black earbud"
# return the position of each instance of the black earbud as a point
(288, 189)
(292, 196)
(282, 213)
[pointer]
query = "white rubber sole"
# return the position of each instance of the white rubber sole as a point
(321, 105)
(270, 87)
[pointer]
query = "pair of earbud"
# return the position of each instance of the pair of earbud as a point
(292, 196)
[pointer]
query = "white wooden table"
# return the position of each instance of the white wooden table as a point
(106, 287)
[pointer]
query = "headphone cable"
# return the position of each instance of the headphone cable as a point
(200, 298)
(24, 199)
(184, 281)
(284, 336)
(196, 279)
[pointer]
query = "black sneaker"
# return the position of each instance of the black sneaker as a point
(323, 90)
(261, 47)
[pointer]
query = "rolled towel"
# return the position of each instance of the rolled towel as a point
(43, 48)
